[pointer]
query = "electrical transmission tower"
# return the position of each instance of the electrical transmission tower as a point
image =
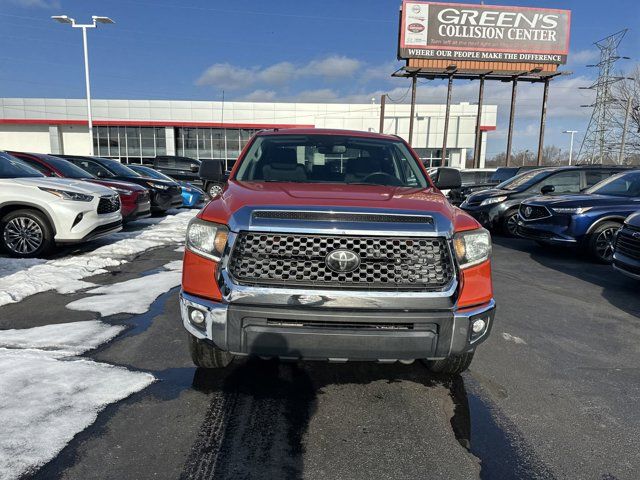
(602, 138)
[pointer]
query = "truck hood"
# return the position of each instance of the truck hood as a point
(77, 186)
(238, 199)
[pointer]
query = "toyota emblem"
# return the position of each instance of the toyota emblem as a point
(528, 211)
(342, 261)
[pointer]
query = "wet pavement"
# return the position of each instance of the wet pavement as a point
(552, 394)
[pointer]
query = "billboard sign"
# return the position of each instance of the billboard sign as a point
(456, 31)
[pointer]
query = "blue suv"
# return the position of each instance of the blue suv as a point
(590, 219)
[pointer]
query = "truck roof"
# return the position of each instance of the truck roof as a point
(326, 131)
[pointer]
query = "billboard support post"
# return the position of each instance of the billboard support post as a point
(383, 99)
(478, 140)
(414, 81)
(543, 120)
(512, 113)
(447, 113)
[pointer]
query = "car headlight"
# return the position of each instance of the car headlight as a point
(65, 194)
(159, 186)
(492, 200)
(572, 211)
(472, 247)
(123, 191)
(206, 239)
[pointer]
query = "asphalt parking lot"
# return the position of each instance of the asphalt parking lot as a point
(552, 394)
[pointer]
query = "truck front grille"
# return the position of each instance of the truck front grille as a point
(300, 260)
(628, 242)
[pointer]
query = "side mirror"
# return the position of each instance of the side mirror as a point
(195, 168)
(448, 178)
(547, 189)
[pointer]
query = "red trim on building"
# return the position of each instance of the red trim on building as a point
(487, 128)
(146, 123)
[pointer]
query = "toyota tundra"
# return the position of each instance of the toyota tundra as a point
(335, 245)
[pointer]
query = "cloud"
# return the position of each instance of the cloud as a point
(49, 4)
(260, 96)
(320, 95)
(232, 77)
(582, 57)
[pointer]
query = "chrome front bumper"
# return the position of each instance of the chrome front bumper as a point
(335, 334)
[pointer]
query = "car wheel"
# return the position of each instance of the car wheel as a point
(26, 233)
(214, 189)
(601, 241)
(453, 365)
(510, 223)
(207, 355)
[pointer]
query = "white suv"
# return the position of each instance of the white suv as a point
(37, 212)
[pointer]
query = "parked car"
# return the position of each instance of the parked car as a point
(134, 199)
(213, 176)
(37, 212)
(473, 180)
(192, 196)
(626, 255)
(331, 244)
(498, 207)
(588, 220)
(505, 173)
(164, 194)
(176, 167)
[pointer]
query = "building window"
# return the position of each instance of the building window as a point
(216, 143)
(129, 143)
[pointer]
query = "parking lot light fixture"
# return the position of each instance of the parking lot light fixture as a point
(95, 20)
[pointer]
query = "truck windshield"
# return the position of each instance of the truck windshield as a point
(330, 159)
(11, 167)
(622, 185)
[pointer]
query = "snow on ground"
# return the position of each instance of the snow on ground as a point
(47, 395)
(22, 278)
(134, 296)
(63, 339)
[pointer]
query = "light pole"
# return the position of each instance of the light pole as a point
(93, 24)
(572, 132)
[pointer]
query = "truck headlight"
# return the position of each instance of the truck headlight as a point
(492, 200)
(78, 197)
(472, 247)
(206, 239)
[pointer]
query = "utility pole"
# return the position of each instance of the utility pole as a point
(623, 140)
(383, 99)
(412, 114)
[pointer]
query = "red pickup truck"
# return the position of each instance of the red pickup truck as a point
(335, 245)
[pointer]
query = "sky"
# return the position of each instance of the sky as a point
(281, 50)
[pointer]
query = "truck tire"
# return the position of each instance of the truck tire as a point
(600, 241)
(510, 223)
(453, 365)
(207, 355)
(26, 233)
(214, 189)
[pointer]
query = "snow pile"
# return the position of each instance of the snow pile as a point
(20, 279)
(47, 396)
(63, 339)
(134, 296)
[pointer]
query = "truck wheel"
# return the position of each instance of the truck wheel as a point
(453, 365)
(26, 233)
(601, 240)
(510, 223)
(206, 355)
(214, 189)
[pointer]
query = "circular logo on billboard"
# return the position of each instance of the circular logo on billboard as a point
(342, 260)
(415, 27)
(527, 212)
(416, 9)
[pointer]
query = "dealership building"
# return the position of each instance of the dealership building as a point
(134, 129)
